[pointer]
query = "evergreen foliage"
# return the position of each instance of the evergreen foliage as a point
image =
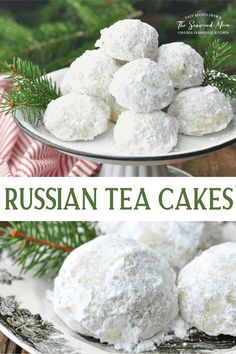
(43, 246)
(217, 55)
(62, 30)
(225, 83)
(216, 58)
(228, 16)
(53, 33)
(31, 90)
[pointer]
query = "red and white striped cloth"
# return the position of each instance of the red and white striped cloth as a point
(22, 156)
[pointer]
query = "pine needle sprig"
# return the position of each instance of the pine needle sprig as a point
(22, 70)
(29, 106)
(43, 246)
(224, 82)
(31, 90)
(217, 55)
(216, 58)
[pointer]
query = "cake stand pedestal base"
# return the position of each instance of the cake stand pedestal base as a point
(141, 171)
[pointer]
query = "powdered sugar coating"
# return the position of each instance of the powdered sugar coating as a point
(180, 242)
(129, 40)
(116, 290)
(150, 133)
(207, 294)
(182, 63)
(228, 232)
(116, 109)
(177, 242)
(90, 74)
(77, 117)
(142, 86)
(201, 110)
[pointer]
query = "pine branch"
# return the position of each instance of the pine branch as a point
(38, 46)
(224, 82)
(43, 246)
(19, 234)
(23, 70)
(31, 90)
(216, 57)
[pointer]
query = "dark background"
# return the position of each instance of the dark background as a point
(55, 32)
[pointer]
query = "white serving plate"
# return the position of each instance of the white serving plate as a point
(26, 329)
(24, 308)
(103, 149)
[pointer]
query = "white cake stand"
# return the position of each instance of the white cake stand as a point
(116, 163)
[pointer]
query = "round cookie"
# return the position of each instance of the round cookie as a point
(116, 290)
(206, 288)
(77, 117)
(178, 242)
(128, 40)
(228, 232)
(150, 133)
(201, 110)
(182, 63)
(90, 74)
(142, 86)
